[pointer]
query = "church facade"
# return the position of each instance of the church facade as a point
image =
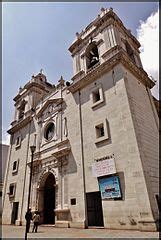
(96, 158)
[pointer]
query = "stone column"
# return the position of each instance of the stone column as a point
(59, 184)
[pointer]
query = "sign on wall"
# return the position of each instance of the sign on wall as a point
(110, 187)
(103, 168)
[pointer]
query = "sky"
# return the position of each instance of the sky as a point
(38, 35)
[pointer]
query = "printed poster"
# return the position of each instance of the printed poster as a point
(110, 187)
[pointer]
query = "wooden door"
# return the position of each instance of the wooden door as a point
(14, 212)
(94, 209)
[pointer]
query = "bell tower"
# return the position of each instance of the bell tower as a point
(29, 96)
(117, 118)
(102, 39)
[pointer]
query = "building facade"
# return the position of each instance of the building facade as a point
(96, 159)
(4, 154)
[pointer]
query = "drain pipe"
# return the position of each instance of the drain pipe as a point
(83, 166)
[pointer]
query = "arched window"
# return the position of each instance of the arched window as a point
(22, 110)
(92, 57)
(130, 51)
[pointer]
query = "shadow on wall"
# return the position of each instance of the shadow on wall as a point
(72, 166)
(122, 184)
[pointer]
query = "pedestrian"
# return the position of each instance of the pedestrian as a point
(36, 220)
(28, 217)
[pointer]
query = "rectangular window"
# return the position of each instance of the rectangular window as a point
(18, 141)
(15, 166)
(96, 95)
(12, 189)
(101, 131)
(73, 201)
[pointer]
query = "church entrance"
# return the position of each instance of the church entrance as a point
(49, 200)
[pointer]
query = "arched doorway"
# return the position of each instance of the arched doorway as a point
(46, 198)
(49, 200)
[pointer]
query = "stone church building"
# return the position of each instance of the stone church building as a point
(96, 158)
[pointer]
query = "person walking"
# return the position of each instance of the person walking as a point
(28, 217)
(36, 220)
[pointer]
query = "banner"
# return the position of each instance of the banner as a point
(103, 168)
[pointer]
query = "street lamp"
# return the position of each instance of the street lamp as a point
(32, 148)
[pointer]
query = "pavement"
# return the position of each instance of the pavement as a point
(18, 232)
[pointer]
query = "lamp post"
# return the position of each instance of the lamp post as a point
(32, 149)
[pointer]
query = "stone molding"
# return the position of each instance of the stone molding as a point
(46, 169)
(117, 47)
(78, 75)
(19, 125)
(119, 57)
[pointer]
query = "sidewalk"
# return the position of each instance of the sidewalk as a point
(10, 231)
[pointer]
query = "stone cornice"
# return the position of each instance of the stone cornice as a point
(61, 145)
(139, 73)
(62, 152)
(120, 57)
(36, 162)
(19, 125)
(104, 55)
(77, 75)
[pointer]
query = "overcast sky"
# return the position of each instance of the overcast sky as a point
(38, 35)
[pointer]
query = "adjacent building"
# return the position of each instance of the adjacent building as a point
(96, 159)
(4, 148)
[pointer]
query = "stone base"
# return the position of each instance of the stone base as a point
(149, 226)
(62, 224)
(77, 225)
(62, 214)
(18, 223)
